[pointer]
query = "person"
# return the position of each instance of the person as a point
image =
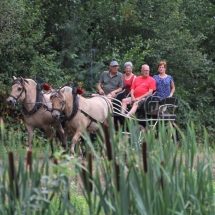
(142, 87)
(111, 82)
(128, 76)
(165, 86)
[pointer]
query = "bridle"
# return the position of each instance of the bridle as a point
(23, 89)
(62, 102)
(37, 104)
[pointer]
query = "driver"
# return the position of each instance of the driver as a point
(111, 82)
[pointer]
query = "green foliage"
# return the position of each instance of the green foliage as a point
(151, 176)
(161, 178)
(27, 187)
(68, 40)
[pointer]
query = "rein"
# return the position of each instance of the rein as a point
(38, 102)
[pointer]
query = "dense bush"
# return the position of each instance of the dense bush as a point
(68, 40)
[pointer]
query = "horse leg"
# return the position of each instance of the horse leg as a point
(74, 141)
(48, 131)
(60, 131)
(102, 140)
(30, 131)
(65, 137)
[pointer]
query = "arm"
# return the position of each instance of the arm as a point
(172, 89)
(133, 99)
(113, 93)
(145, 95)
(120, 86)
(134, 79)
(99, 87)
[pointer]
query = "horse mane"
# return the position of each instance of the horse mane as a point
(67, 89)
(22, 81)
(59, 92)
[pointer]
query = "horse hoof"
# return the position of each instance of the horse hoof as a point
(80, 157)
(66, 151)
(71, 157)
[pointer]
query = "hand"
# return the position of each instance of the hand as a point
(133, 99)
(170, 95)
(113, 94)
(101, 92)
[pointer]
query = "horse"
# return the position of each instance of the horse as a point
(34, 108)
(81, 113)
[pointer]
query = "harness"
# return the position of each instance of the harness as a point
(76, 108)
(91, 118)
(38, 102)
(37, 105)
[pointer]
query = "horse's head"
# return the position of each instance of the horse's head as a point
(18, 91)
(58, 103)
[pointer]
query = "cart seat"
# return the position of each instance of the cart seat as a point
(147, 109)
(167, 108)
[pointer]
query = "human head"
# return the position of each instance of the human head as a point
(128, 66)
(162, 65)
(145, 70)
(114, 66)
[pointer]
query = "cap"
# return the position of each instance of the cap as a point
(114, 63)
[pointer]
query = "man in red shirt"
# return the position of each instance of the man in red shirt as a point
(142, 87)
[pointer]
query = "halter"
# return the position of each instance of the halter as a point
(23, 89)
(75, 104)
(63, 102)
(38, 102)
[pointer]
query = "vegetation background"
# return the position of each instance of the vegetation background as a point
(67, 40)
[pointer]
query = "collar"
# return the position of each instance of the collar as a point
(113, 75)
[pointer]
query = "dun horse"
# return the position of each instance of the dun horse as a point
(80, 112)
(34, 103)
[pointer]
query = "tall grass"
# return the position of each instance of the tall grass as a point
(159, 178)
(152, 175)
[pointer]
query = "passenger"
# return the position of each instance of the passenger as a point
(165, 86)
(111, 82)
(128, 76)
(142, 87)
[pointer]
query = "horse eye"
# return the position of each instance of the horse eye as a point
(19, 88)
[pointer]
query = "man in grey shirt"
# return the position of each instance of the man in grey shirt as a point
(111, 82)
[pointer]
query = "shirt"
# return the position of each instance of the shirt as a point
(142, 85)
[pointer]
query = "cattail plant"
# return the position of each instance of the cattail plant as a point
(29, 161)
(107, 142)
(87, 173)
(144, 157)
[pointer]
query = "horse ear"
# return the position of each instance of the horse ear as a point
(62, 90)
(14, 78)
(23, 81)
